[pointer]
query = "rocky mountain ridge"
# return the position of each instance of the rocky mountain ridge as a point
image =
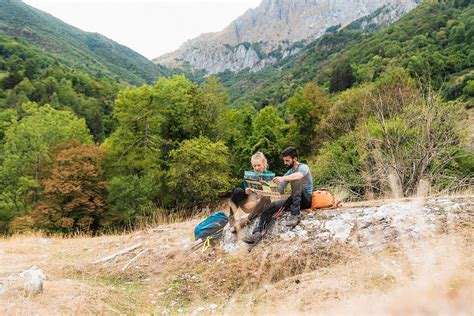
(277, 29)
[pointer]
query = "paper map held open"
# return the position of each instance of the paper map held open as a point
(262, 184)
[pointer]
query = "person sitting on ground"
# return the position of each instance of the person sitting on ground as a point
(301, 182)
(248, 201)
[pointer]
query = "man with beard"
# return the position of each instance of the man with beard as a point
(301, 182)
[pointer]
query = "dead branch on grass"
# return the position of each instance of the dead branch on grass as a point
(124, 251)
(133, 259)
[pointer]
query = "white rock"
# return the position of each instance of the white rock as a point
(340, 227)
(198, 310)
(324, 236)
(301, 233)
(3, 288)
(34, 281)
(33, 272)
(33, 286)
(310, 223)
(212, 306)
(288, 235)
(10, 278)
(45, 241)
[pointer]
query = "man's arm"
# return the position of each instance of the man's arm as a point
(284, 180)
(292, 177)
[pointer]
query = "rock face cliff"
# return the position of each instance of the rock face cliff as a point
(276, 29)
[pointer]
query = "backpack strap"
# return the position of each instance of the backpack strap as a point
(206, 244)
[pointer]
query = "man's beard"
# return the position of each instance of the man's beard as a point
(290, 165)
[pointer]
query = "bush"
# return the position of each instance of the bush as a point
(131, 197)
(469, 88)
(199, 173)
(338, 166)
(417, 143)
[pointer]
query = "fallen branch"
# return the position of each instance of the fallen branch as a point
(127, 250)
(133, 259)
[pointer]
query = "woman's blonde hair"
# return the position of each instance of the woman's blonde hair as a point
(260, 156)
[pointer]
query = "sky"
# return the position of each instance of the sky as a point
(149, 27)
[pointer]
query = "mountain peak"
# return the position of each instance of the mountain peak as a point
(256, 37)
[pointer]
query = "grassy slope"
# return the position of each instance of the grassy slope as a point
(268, 280)
(90, 52)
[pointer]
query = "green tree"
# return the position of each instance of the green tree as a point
(306, 108)
(268, 136)
(348, 109)
(338, 166)
(132, 197)
(417, 143)
(342, 77)
(211, 107)
(199, 172)
(7, 118)
(26, 152)
(134, 148)
(179, 108)
(15, 72)
(235, 128)
(469, 88)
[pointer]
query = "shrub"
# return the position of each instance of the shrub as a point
(199, 172)
(131, 197)
(338, 166)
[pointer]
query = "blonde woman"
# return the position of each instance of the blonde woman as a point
(246, 200)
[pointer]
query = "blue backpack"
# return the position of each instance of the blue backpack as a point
(211, 227)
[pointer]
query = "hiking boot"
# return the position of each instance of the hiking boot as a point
(293, 220)
(253, 239)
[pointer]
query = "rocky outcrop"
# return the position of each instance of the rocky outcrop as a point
(276, 29)
(370, 229)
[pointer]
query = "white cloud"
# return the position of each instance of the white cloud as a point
(150, 27)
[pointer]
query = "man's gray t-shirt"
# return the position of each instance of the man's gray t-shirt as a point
(307, 180)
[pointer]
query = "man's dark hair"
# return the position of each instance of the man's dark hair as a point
(290, 151)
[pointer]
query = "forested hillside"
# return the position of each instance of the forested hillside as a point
(375, 115)
(90, 52)
(29, 75)
(435, 40)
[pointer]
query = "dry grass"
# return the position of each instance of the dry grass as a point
(431, 276)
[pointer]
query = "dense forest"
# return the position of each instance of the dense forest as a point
(373, 112)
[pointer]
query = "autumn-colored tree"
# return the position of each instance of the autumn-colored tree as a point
(74, 194)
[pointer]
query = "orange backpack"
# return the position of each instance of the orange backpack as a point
(323, 199)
